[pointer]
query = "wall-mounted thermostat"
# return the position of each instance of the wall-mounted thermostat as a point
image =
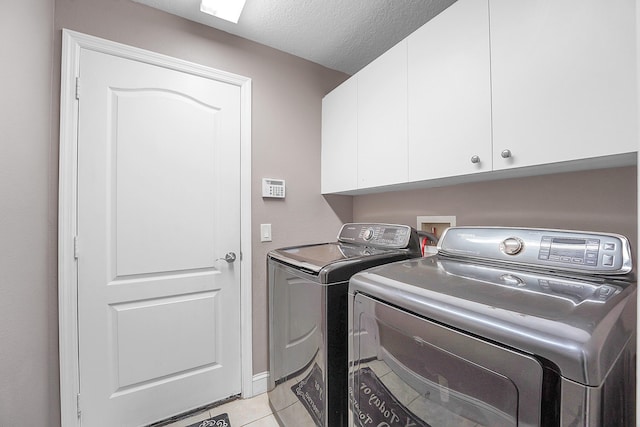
(273, 188)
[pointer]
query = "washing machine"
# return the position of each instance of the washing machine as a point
(503, 327)
(308, 319)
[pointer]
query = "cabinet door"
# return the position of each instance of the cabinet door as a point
(563, 79)
(382, 119)
(449, 117)
(340, 138)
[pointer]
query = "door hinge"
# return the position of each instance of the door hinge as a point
(75, 247)
(78, 404)
(77, 87)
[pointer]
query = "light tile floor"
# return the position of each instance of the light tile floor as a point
(254, 412)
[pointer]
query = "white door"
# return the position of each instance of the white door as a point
(158, 206)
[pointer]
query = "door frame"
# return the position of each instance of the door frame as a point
(68, 247)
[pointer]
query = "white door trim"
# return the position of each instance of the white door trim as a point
(72, 42)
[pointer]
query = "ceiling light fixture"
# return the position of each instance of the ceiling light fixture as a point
(229, 10)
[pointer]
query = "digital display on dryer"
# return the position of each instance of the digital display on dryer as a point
(389, 234)
(569, 251)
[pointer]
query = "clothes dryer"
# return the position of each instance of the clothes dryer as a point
(503, 327)
(308, 319)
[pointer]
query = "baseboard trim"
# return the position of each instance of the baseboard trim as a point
(260, 382)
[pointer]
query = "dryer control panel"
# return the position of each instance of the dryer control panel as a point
(593, 253)
(391, 236)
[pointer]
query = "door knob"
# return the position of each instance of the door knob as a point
(475, 159)
(506, 154)
(229, 257)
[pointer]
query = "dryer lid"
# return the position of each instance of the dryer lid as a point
(581, 325)
(356, 241)
(316, 257)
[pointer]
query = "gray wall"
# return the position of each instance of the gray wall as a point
(28, 294)
(598, 200)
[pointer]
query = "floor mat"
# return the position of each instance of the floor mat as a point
(310, 391)
(377, 406)
(221, 420)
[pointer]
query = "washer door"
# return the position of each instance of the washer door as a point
(408, 370)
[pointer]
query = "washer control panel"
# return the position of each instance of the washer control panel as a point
(596, 253)
(390, 236)
(577, 251)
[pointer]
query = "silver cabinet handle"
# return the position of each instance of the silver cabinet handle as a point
(230, 257)
(506, 154)
(475, 159)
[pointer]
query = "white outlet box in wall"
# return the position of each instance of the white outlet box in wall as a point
(435, 224)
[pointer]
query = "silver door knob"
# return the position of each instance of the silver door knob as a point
(230, 257)
(506, 154)
(475, 159)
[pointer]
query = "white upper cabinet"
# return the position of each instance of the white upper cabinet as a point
(449, 99)
(506, 87)
(339, 157)
(563, 79)
(382, 119)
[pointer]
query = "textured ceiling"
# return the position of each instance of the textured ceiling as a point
(343, 35)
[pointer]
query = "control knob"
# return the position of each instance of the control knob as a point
(368, 234)
(511, 246)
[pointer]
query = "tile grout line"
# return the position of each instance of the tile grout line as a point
(257, 419)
